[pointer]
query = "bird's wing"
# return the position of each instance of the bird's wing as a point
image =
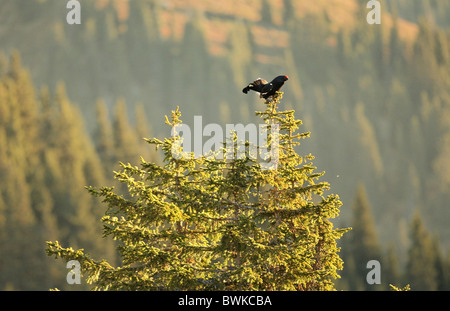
(266, 88)
(260, 81)
(258, 84)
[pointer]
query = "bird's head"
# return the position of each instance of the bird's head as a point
(281, 78)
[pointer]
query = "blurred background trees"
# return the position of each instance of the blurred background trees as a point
(76, 99)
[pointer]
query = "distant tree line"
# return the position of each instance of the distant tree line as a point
(47, 159)
(376, 98)
(425, 267)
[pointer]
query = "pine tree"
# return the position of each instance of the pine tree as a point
(289, 14)
(104, 139)
(69, 163)
(361, 245)
(125, 140)
(421, 271)
(220, 223)
(391, 273)
(18, 133)
(442, 275)
(266, 12)
(144, 129)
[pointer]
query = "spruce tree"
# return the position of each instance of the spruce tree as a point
(18, 170)
(421, 272)
(361, 245)
(220, 223)
(442, 275)
(390, 268)
(125, 139)
(104, 138)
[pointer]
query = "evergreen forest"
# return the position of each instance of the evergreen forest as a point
(78, 100)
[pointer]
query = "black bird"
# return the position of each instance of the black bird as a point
(264, 88)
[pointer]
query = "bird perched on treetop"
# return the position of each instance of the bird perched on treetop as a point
(264, 88)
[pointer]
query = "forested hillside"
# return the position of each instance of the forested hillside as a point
(76, 99)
